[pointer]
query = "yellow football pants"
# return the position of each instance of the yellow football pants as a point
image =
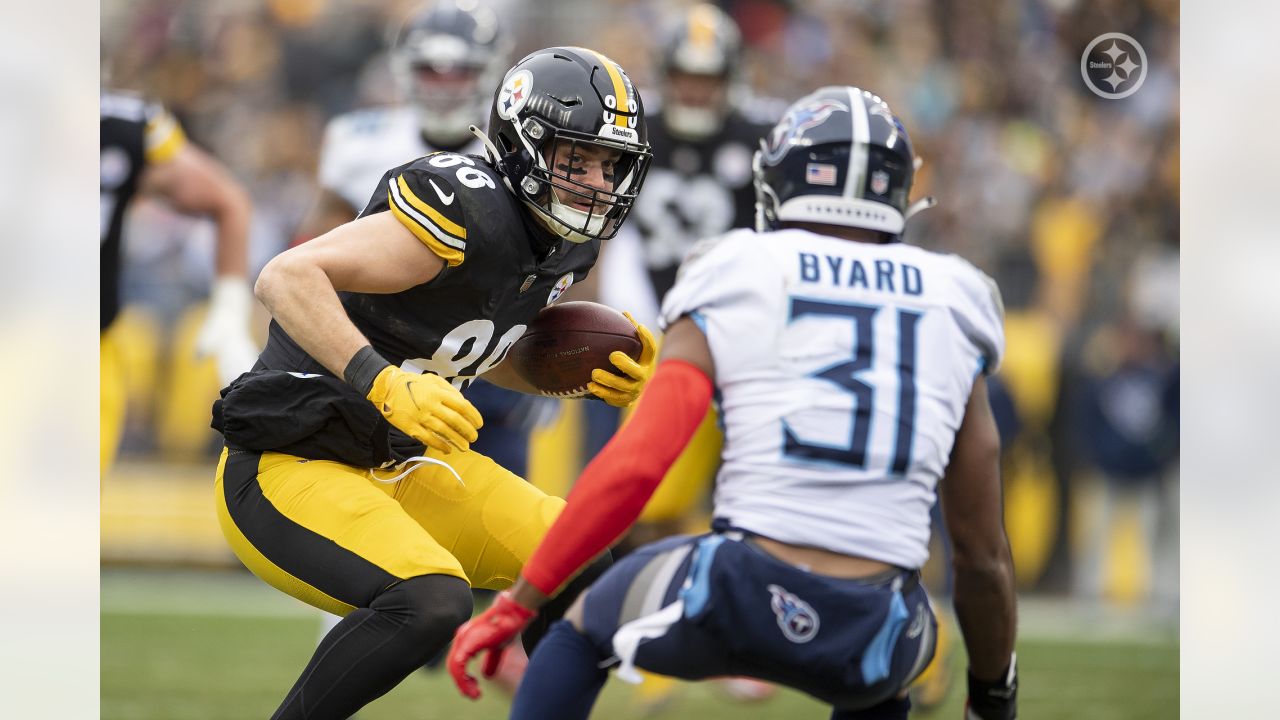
(111, 402)
(330, 535)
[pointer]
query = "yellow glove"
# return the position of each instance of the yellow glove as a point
(427, 407)
(622, 390)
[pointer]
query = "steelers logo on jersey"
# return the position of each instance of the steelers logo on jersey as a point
(561, 285)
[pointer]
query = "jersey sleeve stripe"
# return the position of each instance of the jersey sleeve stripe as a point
(438, 242)
(436, 216)
(164, 138)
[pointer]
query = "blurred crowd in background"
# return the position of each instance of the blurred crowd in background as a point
(1068, 200)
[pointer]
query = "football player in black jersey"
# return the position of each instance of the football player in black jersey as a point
(144, 151)
(348, 480)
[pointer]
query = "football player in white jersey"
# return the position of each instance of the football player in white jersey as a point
(446, 59)
(850, 371)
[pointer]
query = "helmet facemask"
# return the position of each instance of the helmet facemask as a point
(558, 185)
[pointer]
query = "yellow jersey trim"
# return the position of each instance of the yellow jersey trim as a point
(163, 138)
(443, 222)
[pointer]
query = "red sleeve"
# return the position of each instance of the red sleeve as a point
(614, 488)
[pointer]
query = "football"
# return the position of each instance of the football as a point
(566, 342)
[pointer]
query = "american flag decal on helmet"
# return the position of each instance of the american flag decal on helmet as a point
(820, 174)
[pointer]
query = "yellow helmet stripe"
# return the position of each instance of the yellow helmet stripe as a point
(702, 26)
(620, 86)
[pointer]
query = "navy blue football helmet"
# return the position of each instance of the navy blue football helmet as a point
(446, 59)
(838, 156)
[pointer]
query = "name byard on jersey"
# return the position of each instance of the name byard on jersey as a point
(850, 272)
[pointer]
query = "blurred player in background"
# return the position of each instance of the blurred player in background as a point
(145, 152)
(378, 325)
(851, 369)
(445, 61)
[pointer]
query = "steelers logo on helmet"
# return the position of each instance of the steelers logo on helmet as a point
(838, 157)
(568, 132)
(514, 94)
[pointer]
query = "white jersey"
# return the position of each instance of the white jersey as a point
(843, 370)
(360, 146)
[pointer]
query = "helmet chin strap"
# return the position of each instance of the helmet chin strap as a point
(570, 230)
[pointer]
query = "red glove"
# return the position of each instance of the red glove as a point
(493, 630)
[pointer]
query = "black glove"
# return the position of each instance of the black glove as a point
(994, 700)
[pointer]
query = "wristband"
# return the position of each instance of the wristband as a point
(363, 368)
(995, 699)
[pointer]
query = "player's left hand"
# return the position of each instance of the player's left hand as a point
(622, 390)
(225, 334)
(493, 630)
(994, 700)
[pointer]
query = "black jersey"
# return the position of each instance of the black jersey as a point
(501, 269)
(134, 132)
(694, 190)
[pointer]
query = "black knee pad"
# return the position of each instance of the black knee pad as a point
(559, 605)
(430, 606)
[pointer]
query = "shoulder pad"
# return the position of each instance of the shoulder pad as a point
(991, 289)
(424, 199)
(163, 135)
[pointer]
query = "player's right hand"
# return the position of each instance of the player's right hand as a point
(492, 631)
(427, 407)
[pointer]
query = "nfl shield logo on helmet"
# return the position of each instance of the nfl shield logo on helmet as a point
(797, 619)
(879, 182)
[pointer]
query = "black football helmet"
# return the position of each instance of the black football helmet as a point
(838, 156)
(579, 96)
(445, 60)
(704, 42)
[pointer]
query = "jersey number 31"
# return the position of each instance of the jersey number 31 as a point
(845, 375)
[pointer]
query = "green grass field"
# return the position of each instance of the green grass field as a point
(206, 646)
